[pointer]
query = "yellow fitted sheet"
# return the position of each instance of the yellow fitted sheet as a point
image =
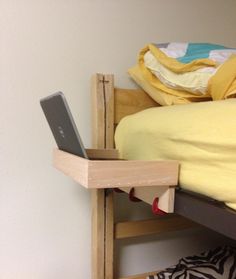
(202, 136)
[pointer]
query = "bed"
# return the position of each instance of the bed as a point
(109, 106)
(169, 74)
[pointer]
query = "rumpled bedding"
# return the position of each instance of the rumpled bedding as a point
(179, 73)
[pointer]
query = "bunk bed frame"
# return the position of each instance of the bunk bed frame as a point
(109, 106)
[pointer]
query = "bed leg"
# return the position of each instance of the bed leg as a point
(109, 235)
(102, 234)
(98, 234)
(102, 200)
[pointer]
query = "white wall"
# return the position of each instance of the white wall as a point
(56, 45)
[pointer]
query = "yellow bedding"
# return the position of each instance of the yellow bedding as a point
(168, 81)
(202, 136)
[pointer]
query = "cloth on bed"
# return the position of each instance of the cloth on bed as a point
(186, 72)
(219, 263)
(201, 136)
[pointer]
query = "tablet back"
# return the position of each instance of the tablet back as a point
(62, 125)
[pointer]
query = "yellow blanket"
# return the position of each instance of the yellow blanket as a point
(202, 136)
(169, 81)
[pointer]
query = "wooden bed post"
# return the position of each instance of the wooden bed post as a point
(102, 200)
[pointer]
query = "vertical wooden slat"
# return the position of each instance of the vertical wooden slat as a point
(109, 110)
(109, 141)
(98, 234)
(109, 236)
(98, 111)
(102, 201)
(98, 196)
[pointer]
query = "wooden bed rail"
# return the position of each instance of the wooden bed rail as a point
(156, 226)
(130, 101)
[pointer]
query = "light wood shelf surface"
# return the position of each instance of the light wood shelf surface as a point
(100, 174)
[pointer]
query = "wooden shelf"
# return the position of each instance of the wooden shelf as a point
(116, 173)
(105, 170)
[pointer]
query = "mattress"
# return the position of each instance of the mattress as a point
(201, 136)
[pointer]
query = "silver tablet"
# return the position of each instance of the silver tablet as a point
(62, 124)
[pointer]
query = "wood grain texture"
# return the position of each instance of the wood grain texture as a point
(71, 165)
(98, 217)
(98, 233)
(103, 132)
(109, 235)
(98, 111)
(109, 198)
(130, 101)
(98, 196)
(112, 173)
(103, 154)
(153, 226)
(109, 110)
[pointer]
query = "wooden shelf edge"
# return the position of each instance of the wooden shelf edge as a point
(100, 174)
(102, 154)
(72, 166)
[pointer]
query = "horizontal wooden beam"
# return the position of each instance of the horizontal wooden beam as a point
(153, 226)
(130, 101)
(140, 276)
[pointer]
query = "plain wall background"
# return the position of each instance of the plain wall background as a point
(54, 45)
